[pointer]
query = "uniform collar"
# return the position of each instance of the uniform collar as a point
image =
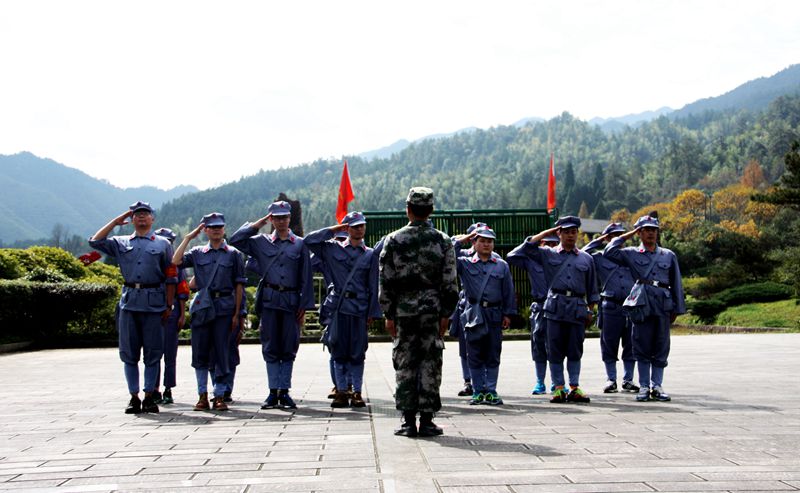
(424, 222)
(344, 244)
(148, 236)
(642, 249)
(476, 258)
(274, 237)
(560, 249)
(224, 247)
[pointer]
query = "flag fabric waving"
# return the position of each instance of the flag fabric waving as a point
(345, 194)
(551, 187)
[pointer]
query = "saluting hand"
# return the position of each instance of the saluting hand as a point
(506, 322)
(196, 231)
(122, 219)
(339, 227)
(465, 237)
(261, 222)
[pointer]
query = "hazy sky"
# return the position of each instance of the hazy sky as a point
(202, 93)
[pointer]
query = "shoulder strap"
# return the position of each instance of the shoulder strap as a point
(347, 281)
(558, 273)
(483, 286)
(213, 274)
(269, 265)
(652, 263)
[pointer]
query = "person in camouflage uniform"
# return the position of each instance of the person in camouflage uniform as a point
(417, 291)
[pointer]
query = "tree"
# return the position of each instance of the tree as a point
(788, 190)
(584, 210)
(753, 175)
(600, 212)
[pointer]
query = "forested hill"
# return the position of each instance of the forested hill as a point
(39, 194)
(754, 95)
(505, 167)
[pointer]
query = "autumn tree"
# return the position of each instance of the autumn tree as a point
(753, 175)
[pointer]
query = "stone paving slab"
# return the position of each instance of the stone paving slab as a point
(62, 428)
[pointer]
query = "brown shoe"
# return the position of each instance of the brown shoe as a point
(340, 400)
(332, 393)
(357, 401)
(202, 403)
(219, 404)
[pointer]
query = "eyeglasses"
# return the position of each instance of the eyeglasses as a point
(280, 218)
(215, 227)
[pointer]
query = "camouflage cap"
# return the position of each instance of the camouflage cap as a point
(420, 196)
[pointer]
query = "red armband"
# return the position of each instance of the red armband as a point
(183, 288)
(171, 271)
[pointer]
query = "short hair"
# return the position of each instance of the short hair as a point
(420, 211)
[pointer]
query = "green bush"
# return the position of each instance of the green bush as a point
(10, 267)
(23, 259)
(51, 312)
(754, 293)
(707, 310)
(42, 274)
(101, 272)
(57, 259)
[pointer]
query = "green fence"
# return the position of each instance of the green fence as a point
(511, 226)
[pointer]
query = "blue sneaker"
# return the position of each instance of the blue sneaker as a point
(539, 389)
(492, 399)
(271, 402)
(477, 398)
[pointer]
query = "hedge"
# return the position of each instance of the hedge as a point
(48, 312)
(708, 309)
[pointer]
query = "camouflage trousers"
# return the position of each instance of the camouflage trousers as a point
(417, 359)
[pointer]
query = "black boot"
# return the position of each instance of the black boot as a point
(408, 426)
(426, 426)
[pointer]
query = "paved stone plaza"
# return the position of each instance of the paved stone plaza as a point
(733, 425)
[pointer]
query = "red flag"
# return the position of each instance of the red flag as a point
(345, 194)
(89, 258)
(551, 187)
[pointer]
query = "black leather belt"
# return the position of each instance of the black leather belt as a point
(220, 294)
(485, 304)
(567, 292)
(653, 282)
(611, 298)
(139, 285)
(278, 287)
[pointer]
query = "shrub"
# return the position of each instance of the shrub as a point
(754, 293)
(49, 312)
(10, 267)
(42, 274)
(57, 259)
(707, 310)
(101, 272)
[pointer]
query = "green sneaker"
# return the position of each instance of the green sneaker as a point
(578, 395)
(559, 396)
(492, 399)
(477, 398)
(167, 397)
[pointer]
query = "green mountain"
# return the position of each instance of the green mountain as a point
(40, 193)
(505, 167)
(754, 95)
